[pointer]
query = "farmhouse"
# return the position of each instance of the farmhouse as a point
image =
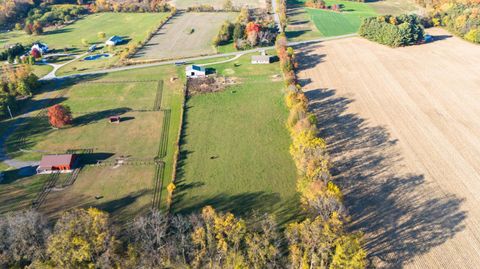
(62, 163)
(40, 47)
(261, 59)
(195, 71)
(114, 40)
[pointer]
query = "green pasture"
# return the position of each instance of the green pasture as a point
(234, 151)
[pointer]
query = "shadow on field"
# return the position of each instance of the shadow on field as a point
(96, 116)
(402, 215)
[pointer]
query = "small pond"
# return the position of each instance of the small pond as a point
(97, 57)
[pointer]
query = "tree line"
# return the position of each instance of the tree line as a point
(321, 198)
(86, 238)
(461, 19)
(14, 82)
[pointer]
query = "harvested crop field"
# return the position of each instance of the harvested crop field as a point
(183, 4)
(403, 127)
(186, 34)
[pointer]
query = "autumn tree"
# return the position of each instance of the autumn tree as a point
(59, 116)
(263, 242)
(82, 238)
(252, 29)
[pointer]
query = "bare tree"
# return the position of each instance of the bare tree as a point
(22, 237)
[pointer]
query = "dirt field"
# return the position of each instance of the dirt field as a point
(176, 39)
(403, 127)
(183, 4)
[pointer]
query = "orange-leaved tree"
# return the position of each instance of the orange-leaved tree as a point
(59, 116)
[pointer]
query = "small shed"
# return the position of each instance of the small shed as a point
(114, 40)
(63, 163)
(195, 71)
(114, 119)
(261, 59)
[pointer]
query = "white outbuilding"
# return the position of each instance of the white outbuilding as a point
(195, 71)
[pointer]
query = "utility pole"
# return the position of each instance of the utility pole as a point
(9, 112)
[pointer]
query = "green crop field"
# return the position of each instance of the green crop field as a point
(125, 190)
(307, 23)
(234, 151)
(331, 23)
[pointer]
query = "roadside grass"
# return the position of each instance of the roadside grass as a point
(234, 151)
(126, 190)
(41, 70)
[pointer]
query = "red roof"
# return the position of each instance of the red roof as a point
(49, 161)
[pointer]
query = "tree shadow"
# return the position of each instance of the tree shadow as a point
(309, 58)
(99, 115)
(402, 215)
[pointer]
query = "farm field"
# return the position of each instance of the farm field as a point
(186, 34)
(183, 4)
(308, 23)
(403, 136)
(238, 159)
(143, 135)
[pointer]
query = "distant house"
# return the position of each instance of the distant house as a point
(114, 40)
(63, 163)
(40, 47)
(262, 59)
(195, 71)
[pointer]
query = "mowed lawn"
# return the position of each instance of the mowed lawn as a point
(331, 23)
(124, 191)
(234, 151)
(132, 26)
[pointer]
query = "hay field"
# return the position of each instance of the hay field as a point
(403, 127)
(185, 35)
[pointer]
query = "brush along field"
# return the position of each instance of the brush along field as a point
(186, 34)
(403, 127)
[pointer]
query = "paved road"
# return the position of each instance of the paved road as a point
(276, 18)
(193, 59)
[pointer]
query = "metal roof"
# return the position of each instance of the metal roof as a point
(196, 68)
(56, 160)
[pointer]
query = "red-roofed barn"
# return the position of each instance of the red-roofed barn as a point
(56, 163)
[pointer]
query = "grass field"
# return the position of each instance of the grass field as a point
(235, 146)
(403, 136)
(132, 26)
(125, 190)
(176, 39)
(331, 23)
